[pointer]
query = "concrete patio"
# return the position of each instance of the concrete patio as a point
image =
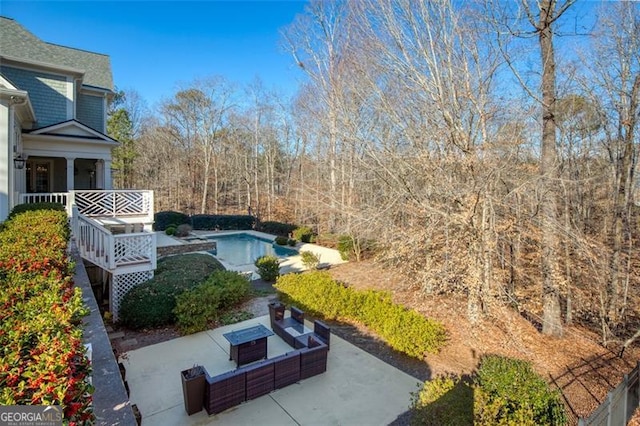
(357, 388)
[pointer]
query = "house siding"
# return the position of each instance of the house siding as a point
(91, 112)
(48, 93)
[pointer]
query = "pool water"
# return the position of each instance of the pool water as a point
(239, 250)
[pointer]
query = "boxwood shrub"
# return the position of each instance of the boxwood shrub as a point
(281, 241)
(42, 358)
(508, 391)
(168, 218)
(197, 308)
(211, 222)
(403, 329)
(151, 304)
(304, 234)
(268, 267)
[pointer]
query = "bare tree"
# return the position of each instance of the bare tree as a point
(198, 114)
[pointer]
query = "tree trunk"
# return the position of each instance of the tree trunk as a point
(551, 322)
(624, 172)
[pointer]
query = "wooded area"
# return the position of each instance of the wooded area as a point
(483, 148)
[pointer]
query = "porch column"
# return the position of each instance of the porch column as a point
(70, 174)
(107, 175)
(99, 175)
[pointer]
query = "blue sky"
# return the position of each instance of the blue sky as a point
(155, 45)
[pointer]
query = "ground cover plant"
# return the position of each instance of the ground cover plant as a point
(42, 358)
(403, 329)
(151, 304)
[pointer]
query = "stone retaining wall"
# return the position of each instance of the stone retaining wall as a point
(186, 248)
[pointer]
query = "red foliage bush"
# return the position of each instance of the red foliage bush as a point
(42, 358)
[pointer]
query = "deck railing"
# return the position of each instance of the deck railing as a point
(95, 203)
(96, 244)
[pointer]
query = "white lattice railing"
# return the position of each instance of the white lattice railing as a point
(114, 203)
(109, 203)
(109, 251)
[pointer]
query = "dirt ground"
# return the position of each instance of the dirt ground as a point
(576, 363)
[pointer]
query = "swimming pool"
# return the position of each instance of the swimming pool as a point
(241, 250)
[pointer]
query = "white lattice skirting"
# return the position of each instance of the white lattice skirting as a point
(121, 284)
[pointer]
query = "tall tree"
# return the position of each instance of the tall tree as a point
(199, 114)
(121, 128)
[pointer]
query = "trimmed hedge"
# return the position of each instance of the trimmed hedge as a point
(42, 358)
(21, 208)
(151, 304)
(167, 218)
(508, 391)
(212, 222)
(404, 330)
(196, 308)
(276, 228)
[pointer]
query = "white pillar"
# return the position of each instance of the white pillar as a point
(70, 174)
(107, 175)
(6, 162)
(99, 175)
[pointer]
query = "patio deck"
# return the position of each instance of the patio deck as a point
(357, 389)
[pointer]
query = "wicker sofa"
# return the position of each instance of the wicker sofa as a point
(292, 330)
(254, 380)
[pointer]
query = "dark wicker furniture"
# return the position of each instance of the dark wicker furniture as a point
(248, 345)
(251, 381)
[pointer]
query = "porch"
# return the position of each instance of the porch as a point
(112, 230)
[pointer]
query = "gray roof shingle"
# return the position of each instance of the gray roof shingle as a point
(17, 42)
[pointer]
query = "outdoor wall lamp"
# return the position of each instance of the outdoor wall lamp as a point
(19, 162)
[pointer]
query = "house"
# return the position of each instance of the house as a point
(53, 110)
(54, 148)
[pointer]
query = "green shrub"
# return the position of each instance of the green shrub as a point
(281, 241)
(276, 228)
(168, 218)
(291, 242)
(309, 259)
(170, 230)
(212, 222)
(268, 267)
(183, 230)
(198, 307)
(445, 400)
(304, 234)
(402, 329)
(21, 208)
(509, 392)
(43, 360)
(151, 304)
(345, 246)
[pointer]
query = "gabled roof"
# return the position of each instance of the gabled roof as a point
(18, 43)
(73, 129)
